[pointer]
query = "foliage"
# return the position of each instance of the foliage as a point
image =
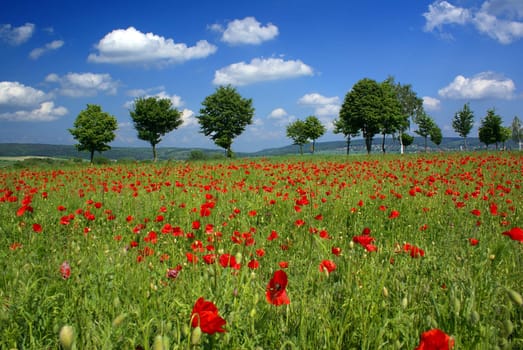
(490, 130)
(348, 130)
(314, 129)
(153, 117)
(427, 127)
(380, 254)
(406, 140)
(435, 135)
(94, 129)
(463, 122)
(225, 115)
(393, 119)
(297, 131)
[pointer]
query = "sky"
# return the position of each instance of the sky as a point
(292, 58)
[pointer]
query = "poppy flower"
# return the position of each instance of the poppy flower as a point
(394, 214)
(473, 241)
(435, 339)
(327, 266)
(276, 294)
(37, 228)
(205, 315)
(65, 270)
(515, 233)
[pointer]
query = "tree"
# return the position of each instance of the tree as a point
(490, 129)
(392, 119)
(517, 131)
(425, 127)
(314, 129)
(362, 109)
(153, 117)
(506, 132)
(411, 106)
(406, 140)
(225, 115)
(463, 122)
(435, 135)
(94, 129)
(297, 131)
(341, 127)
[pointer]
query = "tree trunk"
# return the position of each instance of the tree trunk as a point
(383, 144)
(425, 144)
(465, 141)
(348, 145)
(368, 143)
(229, 152)
(92, 156)
(154, 152)
(401, 142)
(313, 145)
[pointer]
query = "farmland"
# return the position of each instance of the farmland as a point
(362, 252)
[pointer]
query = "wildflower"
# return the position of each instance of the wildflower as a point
(515, 233)
(174, 272)
(37, 228)
(228, 260)
(394, 214)
(205, 316)
(473, 241)
(435, 339)
(65, 270)
(327, 266)
(253, 264)
(276, 293)
(336, 251)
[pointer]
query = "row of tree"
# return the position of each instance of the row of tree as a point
(370, 108)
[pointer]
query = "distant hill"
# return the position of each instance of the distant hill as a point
(145, 153)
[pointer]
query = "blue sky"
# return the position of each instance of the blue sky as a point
(293, 58)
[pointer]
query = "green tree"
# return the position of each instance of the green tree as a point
(411, 106)
(406, 140)
(392, 118)
(314, 130)
(94, 129)
(463, 122)
(225, 115)
(435, 135)
(490, 129)
(506, 133)
(153, 117)
(425, 127)
(517, 131)
(362, 109)
(341, 127)
(297, 131)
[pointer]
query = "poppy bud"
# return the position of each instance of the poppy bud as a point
(238, 257)
(385, 292)
(515, 297)
(119, 319)
(508, 327)
(66, 337)
(196, 335)
(404, 302)
(474, 317)
(456, 305)
(161, 343)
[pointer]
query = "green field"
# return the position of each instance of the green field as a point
(377, 250)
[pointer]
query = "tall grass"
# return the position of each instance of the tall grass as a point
(99, 219)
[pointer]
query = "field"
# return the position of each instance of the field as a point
(324, 252)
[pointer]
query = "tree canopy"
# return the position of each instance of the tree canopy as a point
(314, 129)
(427, 127)
(463, 122)
(153, 117)
(490, 131)
(225, 114)
(297, 131)
(94, 129)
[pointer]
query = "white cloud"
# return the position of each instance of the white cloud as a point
(280, 117)
(45, 113)
(323, 106)
(260, 70)
(83, 84)
(247, 31)
(132, 46)
(499, 19)
(431, 103)
(481, 86)
(145, 93)
(189, 119)
(442, 12)
(53, 45)
(15, 94)
(278, 113)
(16, 35)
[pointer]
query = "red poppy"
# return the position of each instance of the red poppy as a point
(473, 241)
(327, 266)
(65, 270)
(336, 251)
(37, 228)
(228, 260)
(435, 339)
(276, 294)
(283, 264)
(476, 212)
(253, 264)
(394, 214)
(515, 233)
(205, 315)
(272, 236)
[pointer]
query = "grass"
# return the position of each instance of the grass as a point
(99, 219)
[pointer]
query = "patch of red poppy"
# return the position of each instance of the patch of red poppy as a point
(327, 266)
(394, 214)
(336, 251)
(276, 293)
(228, 260)
(205, 315)
(253, 264)
(515, 233)
(37, 228)
(473, 241)
(435, 339)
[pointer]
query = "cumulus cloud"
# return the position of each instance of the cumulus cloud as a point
(16, 35)
(431, 103)
(13, 93)
(280, 117)
(132, 46)
(323, 106)
(246, 31)
(53, 45)
(481, 86)
(278, 113)
(499, 19)
(45, 113)
(189, 118)
(260, 69)
(83, 84)
(146, 93)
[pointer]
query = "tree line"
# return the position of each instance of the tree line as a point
(369, 109)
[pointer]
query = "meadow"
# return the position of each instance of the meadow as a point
(312, 252)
